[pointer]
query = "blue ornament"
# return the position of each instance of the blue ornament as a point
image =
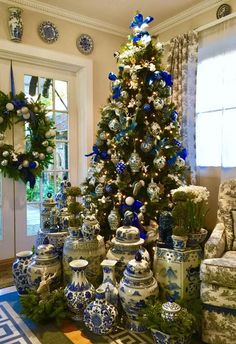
(120, 167)
(139, 22)
(177, 143)
(116, 92)
(174, 116)
(183, 154)
(167, 77)
(109, 188)
(32, 164)
(112, 76)
(147, 107)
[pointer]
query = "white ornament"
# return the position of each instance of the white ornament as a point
(45, 143)
(26, 115)
(4, 163)
(41, 156)
(49, 149)
(129, 201)
(48, 134)
(53, 132)
(24, 110)
(10, 106)
(180, 162)
(25, 163)
(19, 113)
(36, 164)
(35, 154)
(114, 125)
(158, 103)
(5, 154)
(1, 119)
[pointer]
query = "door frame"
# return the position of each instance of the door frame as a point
(83, 69)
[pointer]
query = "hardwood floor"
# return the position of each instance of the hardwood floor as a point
(6, 279)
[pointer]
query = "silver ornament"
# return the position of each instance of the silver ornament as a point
(135, 162)
(26, 115)
(93, 181)
(49, 149)
(102, 135)
(114, 219)
(5, 154)
(146, 146)
(35, 154)
(158, 103)
(41, 156)
(159, 163)
(114, 125)
(45, 143)
(25, 163)
(10, 106)
(4, 162)
(153, 191)
(99, 190)
(155, 128)
(24, 110)
(90, 173)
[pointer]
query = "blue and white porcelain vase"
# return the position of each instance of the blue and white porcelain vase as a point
(79, 292)
(137, 285)
(179, 242)
(19, 270)
(109, 283)
(44, 263)
(164, 338)
(15, 24)
(100, 316)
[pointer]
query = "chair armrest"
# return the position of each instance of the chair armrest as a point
(215, 245)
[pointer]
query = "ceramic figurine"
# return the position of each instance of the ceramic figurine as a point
(79, 292)
(137, 285)
(19, 270)
(165, 230)
(109, 283)
(124, 247)
(100, 316)
(15, 24)
(90, 227)
(61, 196)
(114, 219)
(44, 262)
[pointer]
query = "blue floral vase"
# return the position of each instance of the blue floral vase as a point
(100, 316)
(79, 293)
(164, 338)
(109, 283)
(19, 270)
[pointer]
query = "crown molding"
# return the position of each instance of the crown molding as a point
(38, 6)
(183, 16)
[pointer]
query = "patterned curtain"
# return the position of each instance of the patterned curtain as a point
(182, 61)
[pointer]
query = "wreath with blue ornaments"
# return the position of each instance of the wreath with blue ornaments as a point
(25, 165)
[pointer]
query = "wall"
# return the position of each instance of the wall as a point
(210, 177)
(102, 56)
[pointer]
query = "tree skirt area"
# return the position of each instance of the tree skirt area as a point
(16, 328)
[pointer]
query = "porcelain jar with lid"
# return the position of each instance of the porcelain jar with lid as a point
(124, 246)
(19, 270)
(44, 263)
(137, 285)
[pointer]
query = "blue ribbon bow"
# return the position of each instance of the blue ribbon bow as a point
(167, 77)
(116, 92)
(122, 133)
(139, 22)
(98, 154)
(112, 76)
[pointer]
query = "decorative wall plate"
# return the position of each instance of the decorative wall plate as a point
(48, 32)
(223, 11)
(85, 44)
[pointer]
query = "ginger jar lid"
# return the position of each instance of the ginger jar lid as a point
(49, 201)
(138, 268)
(127, 233)
(46, 251)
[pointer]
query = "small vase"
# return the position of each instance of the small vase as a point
(195, 239)
(19, 270)
(57, 240)
(114, 220)
(163, 338)
(79, 292)
(15, 24)
(100, 316)
(109, 283)
(179, 242)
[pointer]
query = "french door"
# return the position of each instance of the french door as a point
(19, 205)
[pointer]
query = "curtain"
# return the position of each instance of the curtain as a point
(182, 61)
(216, 110)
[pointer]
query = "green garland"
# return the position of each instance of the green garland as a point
(39, 141)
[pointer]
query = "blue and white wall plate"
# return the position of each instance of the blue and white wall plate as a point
(85, 44)
(48, 32)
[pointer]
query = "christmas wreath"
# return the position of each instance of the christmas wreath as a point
(39, 138)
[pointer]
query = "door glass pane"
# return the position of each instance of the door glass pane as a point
(48, 183)
(33, 218)
(61, 156)
(61, 95)
(46, 92)
(61, 120)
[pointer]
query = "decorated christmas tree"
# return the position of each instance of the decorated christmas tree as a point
(138, 157)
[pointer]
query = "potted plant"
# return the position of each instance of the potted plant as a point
(189, 212)
(168, 322)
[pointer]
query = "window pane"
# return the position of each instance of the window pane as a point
(61, 120)
(33, 195)
(61, 156)
(48, 183)
(209, 139)
(33, 218)
(61, 95)
(46, 92)
(229, 142)
(31, 89)
(59, 178)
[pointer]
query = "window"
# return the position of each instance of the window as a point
(54, 94)
(216, 97)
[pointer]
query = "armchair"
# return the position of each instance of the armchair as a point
(218, 272)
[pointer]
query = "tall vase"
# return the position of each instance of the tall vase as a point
(109, 283)
(79, 293)
(19, 270)
(15, 24)
(100, 316)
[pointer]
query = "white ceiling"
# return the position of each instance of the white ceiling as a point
(121, 12)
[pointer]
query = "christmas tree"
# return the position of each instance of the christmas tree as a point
(138, 157)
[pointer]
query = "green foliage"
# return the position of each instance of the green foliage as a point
(52, 308)
(73, 191)
(184, 324)
(75, 208)
(180, 231)
(195, 308)
(75, 222)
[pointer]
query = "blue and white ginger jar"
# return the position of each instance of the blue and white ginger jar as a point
(100, 316)
(19, 270)
(79, 292)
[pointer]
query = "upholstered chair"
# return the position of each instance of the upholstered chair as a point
(218, 272)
